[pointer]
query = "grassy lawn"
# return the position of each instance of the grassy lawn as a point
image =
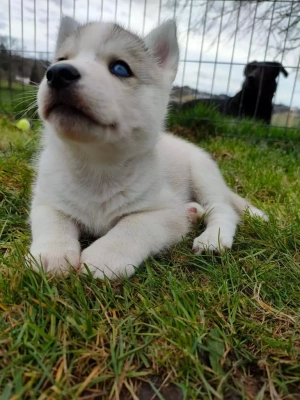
(17, 99)
(185, 326)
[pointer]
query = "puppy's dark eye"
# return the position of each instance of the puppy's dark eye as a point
(61, 59)
(120, 69)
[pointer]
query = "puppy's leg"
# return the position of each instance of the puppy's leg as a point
(242, 205)
(211, 191)
(55, 242)
(133, 239)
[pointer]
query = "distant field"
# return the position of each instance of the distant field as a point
(286, 119)
(279, 119)
(206, 120)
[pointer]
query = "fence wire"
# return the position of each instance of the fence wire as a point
(218, 40)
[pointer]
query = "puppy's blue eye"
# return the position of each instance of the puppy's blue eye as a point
(120, 69)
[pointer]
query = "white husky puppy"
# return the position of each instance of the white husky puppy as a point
(107, 168)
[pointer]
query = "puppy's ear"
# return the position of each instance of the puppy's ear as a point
(68, 25)
(250, 67)
(163, 44)
(284, 71)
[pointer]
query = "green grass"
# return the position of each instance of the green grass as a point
(205, 120)
(185, 326)
(17, 100)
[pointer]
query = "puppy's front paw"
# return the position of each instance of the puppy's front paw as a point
(212, 240)
(255, 212)
(106, 261)
(54, 257)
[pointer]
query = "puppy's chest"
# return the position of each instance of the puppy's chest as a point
(96, 208)
(98, 204)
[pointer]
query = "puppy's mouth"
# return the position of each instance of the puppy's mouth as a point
(71, 112)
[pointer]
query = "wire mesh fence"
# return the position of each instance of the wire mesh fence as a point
(239, 66)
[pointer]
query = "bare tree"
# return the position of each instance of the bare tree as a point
(8, 46)
(279, 20)
(35, 76)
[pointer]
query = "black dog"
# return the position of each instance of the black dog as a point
(255, 98)
(259, 87)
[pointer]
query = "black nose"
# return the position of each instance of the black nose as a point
(61, 75)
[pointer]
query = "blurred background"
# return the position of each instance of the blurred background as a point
(217, 39)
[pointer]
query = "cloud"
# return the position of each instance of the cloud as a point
(63, 3)
(29, 9)
(3, 21)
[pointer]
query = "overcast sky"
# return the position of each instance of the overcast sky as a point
(36, 21)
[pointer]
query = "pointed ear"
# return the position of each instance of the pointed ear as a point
(68, 25)
(284, 71)
(249, 68)
(163, 44)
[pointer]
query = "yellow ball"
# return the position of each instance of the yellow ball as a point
(23, 125)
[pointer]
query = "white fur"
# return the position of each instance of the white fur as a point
(122, 180)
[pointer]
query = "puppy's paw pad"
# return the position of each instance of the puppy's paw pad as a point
(195, 212)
